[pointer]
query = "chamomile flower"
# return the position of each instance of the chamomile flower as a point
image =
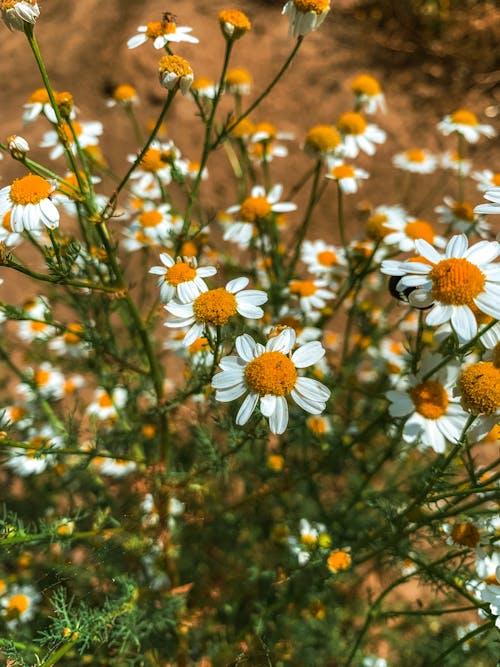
(156, 164)
(486, 179)
(368, 93)
(123, 95)
(29, 201)
(312, 536)
(478, 388)
(323, 259)
(155, 222)
(322, 141)
(238, 81)
(161, 33)
(105, 405)
(31, 330)
(432, 414)
(7, 235)
(71, 342)
(114, 467)
(269, 375)
(493, 196)
(416, 160)
(461, 217)
(181, 278)
(458, 279)
(234, 23)
(456, 162)
(16, 13)
(38, 457)
(347, 176)
(305, 16)
(175, 72)
(491, 595)
(204, 88)
(312, 294)
(215, 307)
(382, 219)
(466, 124)
(358, 135)
(46, 381)
(19, 605)
(403, 233)
(87, 134)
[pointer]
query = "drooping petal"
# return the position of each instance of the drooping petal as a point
(246, 409)
(278, 421)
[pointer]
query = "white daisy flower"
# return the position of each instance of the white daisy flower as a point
(404, 233)
(7, 235)
(312, 536)
(156, 164)
(312, 294)
(432, 414)
(181, 278)
(323, 259)
(155, 222)
(416, 160)
(87, 134)
(71, 342)
(460, 216)
(49, 383)
(214, 308)
(457, 280)
(30, 330)
(204, 88)
(369, 95)
(16, 14)
(123, 95)
(305, 16)
(175, 72)
(493, 196)
(270, 374)
(233, 23)
(358, 135)
(38, 103)
(347, 176)
(253, 210)
(161, 33)
(105, 406)
(29, 201)
(456, 162)
(19, 605)
(491, 595)
(478, 389)
(376, 228)
(322, 142)
(114, 467)
(33, 461)
(465, 123)
(486, 179)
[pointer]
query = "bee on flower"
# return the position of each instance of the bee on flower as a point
(368, 94)
(416, 161)
(269, 375)
(215, 307)
(29, 201)
(181, 278)
(466, 124)
(161, 33)
(458, 279)
(305, 16)
(19, 605)
(432, 414)
(358, 135)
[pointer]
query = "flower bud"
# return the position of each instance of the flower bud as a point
(18, 146)
(234, 24)
(175, 71)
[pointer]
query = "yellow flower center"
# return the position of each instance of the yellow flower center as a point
(201, 82)
(41, 377)
(189, 249)
(322, 139)
(175, 64)
(39, 96)
(215, 306)
(266, 128)
(303, 287)
(36, 444)
(464, 117)
(72, 336)
(271, 373)
(342, 171)
(480, 387)
(235, 18)
(199, 345)
(150, 218)
(254, 208)
(351, 123)
(317, 425)
(463, 210)
(6, 224)
(38, 327)
(17, 605)
(180, 272)
(338, 560)
(17, 413)
(124, 93)
(364, 84)
(65, 131)
(238, 76)
(430, 399)
(308, 541)
(327, 258)
(154, 29)
(375, 228)
(415, 155)
(243, 129)
(104, 400)
(419, 229)
(316, 6)
(30, 189)
(456, 281)
(466, 534)
(495, 179)
(153, 160)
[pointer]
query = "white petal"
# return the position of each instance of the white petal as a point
(312, 390)
(230, 394)
(438, 315)
(268, 404)
(279, 419)
(483, 252)
(237, 284)
(313, 408)
(456, 246)
(247, 348)
(250, 311)
(232, 363)
(227, 379)
(429, 252)
(308, 354)
(283, 342)
(464, 323)
(246, 409)
(255, 296)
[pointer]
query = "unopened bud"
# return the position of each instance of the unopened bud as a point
(18, 146)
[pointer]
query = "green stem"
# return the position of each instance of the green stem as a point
(473, 633)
